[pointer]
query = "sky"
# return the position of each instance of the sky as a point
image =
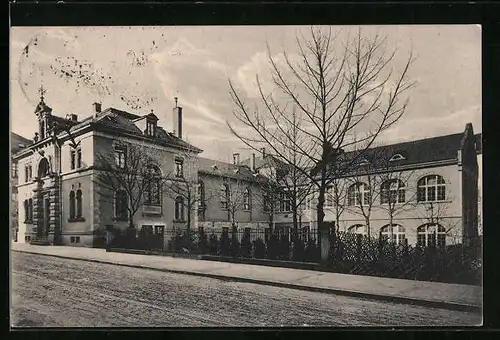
(139, 69)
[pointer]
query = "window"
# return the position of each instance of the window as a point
(73, 159)
(78, 158)
(285, 204)
(74, 239)
(224, 197)
(357, 229)
(26, 212)
(358, 194)
(397, 157)
(27, 238)
(152, 189)
(159, 230)
(30, 210)
(201, 194)
(26, 173)
(246, 199)
(179, 208)
(150, 128)
(121, 205)
(179, 171)
(120, 152)
(43, 168)
(431, 188)
(42, 129)
(431, 235)
(30, 172)
(78, 203)
(14, 170)
(72, 204)
(398, 233)
(392, 191)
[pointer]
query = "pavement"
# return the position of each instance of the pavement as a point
(429, 294)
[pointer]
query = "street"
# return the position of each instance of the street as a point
(54, 292)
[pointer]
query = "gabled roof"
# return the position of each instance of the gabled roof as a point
(17, 142)
(227, 170)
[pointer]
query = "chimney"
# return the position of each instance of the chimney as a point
(263, 151)
(252, 162)
(97, 107)
(73, 117)
(236, 158)
(177, 115)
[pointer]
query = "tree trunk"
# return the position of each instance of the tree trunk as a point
(368, 228)
(320, 213)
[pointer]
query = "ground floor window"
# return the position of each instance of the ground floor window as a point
(74, 239)
(431, 235)
(27, 238)
(398, 233)
(357, 229)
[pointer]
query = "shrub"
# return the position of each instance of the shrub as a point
(225, 244)
(213, 244)
(246, 246)
(298, 250)
(235, 244)
(259, 249)
(202, 242)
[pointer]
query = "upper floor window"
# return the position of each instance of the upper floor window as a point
(42, 129)
(285, 204)
(392, 191)
(224, 196)
(431, 188)
(396, 235)
(14, 169)
(150, 128)
(179, 167)
(431, 235)
(152, 192)
(358, 194)
(121, 204)
(201, 194)
(179, 208)
(246, 199)
(28, 173)
(76, 158)
(120, 152)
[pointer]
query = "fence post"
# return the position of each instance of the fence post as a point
(324, 230)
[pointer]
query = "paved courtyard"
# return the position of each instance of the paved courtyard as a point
(54, 292)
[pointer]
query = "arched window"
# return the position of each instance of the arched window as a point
(78, 203)
(121, 204)
(72, 206)
(201, 193)
(179, 208)
(152, 192)
(358, 194)
(392, 191)
(431, 188)
(246, 199)
(357, 229)
(431, 235)
(398, 233)
(43, 168)
(224, 196)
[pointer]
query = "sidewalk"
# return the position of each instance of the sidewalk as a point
(430, 294)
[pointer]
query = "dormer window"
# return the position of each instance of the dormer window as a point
(397, 157)
(151, 128)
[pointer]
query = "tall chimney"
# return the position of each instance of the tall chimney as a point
(97, 107)
(177, 115)
(236, 158)
(263, 150)
(252, 162)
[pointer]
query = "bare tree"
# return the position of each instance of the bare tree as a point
(436, 213)
(338, 89)
(125, 178)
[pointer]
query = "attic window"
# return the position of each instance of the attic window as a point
(397, 157)
(150, 128)
(364, 161)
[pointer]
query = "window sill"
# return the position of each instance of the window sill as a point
(429, 202)
(76, 219)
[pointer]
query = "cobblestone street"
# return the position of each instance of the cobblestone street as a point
(53, 292)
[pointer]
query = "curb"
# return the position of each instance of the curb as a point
(350, 293)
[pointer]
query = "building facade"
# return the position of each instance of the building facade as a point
(425, 191)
